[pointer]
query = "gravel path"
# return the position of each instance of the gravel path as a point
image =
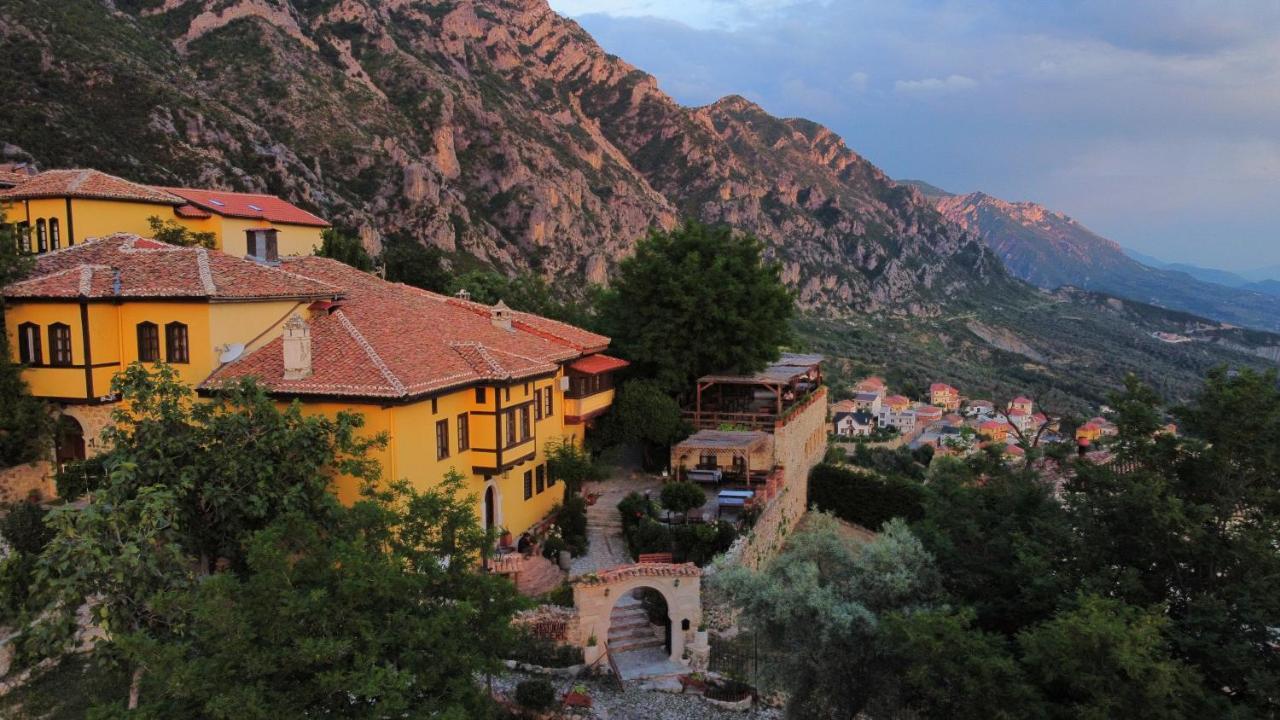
(609, 703)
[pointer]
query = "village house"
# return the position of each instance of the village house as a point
(927, 415)
(1022, 403)
(61, 208)
(944, 396)
(980, 408)
(993, 430)
(868, 402)
(455, 385)
(874, 385)
(854, 424)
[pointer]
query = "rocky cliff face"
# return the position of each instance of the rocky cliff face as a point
(494, 129)
(1050, 249)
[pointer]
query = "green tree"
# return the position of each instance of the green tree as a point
(174, 233)
(26, 423)
(345, 248)
(1104, 659)
(948, 669)
(412, 263)
(697, 300)
(530, 293)
(1189, 524)
(571, 464)
(381, 614)
(816, 609)
(1005, 542)
(681, 497)
(643, 414)
(233, 462)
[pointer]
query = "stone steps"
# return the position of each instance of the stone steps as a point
(539, 576)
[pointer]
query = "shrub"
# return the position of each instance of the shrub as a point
(552, 546)
(24, 529)
(572, 521)
(562, 596)
(681, 497)
(863, 498)
(534, 650)
(535, 694)
(77, 478)
(634, 508)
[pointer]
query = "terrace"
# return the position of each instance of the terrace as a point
(758, 401)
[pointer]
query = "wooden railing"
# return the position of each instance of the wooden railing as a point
(509, 564)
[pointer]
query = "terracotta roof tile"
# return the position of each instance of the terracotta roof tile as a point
(244, 205)
(388, 340)
(596, 364)
(148, 268)
(87, 184)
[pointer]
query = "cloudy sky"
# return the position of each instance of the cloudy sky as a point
(1154, 122)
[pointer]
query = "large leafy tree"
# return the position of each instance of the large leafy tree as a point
(817, 607)
(380, 614)
(412, 263)
(1190, 524)
(187, 482)
(696, 300)
(643, 414)
(344, 247)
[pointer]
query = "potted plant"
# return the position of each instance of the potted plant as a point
(578, 697)
(504, 537)
(694, 682)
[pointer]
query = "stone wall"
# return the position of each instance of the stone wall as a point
(93, 420)
(799, 444)
(24, 481)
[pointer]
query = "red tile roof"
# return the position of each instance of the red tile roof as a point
(391, 341)
(941, 387)
(91, 184)
(245, 205)
(10, 178)
(152, 269)
(596, 364)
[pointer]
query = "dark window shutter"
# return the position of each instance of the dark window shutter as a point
(29, 343)
(148, 342)
(59, 344)
(273, 247)
(251, 243)
(55, 234)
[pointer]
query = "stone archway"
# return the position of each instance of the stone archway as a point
(594, 596)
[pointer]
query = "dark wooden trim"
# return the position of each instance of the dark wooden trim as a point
(482, 412)
(71, 226)
(497, 423)
(73, 366)
(84, 334)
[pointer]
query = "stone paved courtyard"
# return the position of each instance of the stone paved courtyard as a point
(604, 527)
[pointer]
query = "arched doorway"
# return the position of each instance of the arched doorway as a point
(597, 597)
(489, 519)
(70, 445)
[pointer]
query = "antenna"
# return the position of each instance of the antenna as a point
(231, 352)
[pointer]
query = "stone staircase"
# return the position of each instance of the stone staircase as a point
(630, 629)
(537, 576)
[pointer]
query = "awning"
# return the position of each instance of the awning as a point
(596, 364)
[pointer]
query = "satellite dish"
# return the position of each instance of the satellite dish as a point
(232, 351)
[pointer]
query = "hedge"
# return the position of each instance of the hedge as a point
(861, 497)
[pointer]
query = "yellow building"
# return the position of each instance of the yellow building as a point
(60, 208)
(456, 385)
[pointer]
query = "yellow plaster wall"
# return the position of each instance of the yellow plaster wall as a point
(291, 240)
(196, 317)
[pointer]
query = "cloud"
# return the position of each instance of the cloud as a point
(1124, 115)
(933, 85)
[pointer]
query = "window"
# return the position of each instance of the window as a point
(24, 237)
(509, 419)
(435, 406)
(528, 484)
(551, 479)
(42, 236)
(59, 344)
(176, 347)
(262, 244)
(55, 234)
(537, 404)
(541, 478)
(442, 439)
(464, 432)
(480, 395)
(148, 342)
(29, 344)
(546, 397)
(506, 393)
(524, 423)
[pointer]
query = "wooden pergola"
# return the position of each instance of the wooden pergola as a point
(793, 376)
(735, 445)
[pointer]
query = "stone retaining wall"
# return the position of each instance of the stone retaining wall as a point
(24, 481)
(798, 445)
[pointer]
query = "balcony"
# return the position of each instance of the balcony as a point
(578, 410)
(762, 401)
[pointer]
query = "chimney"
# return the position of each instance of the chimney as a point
(500, 315)
(297, 348)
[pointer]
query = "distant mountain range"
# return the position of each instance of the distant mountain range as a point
(1263, 280)
(1052, 250)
